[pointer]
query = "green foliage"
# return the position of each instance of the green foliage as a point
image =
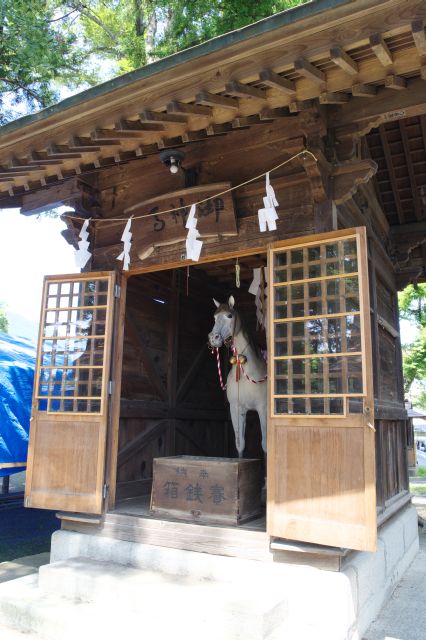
(47, 44)
(189, 22)
(37, 50)
(412, 306)
(4, 323)
(421, 471)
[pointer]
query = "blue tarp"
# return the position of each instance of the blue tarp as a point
(17, 363)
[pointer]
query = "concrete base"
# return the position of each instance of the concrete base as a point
(104, 586)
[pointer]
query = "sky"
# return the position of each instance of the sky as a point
(30, 248)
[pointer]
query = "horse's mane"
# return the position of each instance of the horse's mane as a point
(244, 328)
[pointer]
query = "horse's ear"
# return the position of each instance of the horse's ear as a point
(216, 303)
(231, 302)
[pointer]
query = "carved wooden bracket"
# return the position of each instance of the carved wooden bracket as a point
(347, 176)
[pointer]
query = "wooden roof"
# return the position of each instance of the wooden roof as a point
(363, 61)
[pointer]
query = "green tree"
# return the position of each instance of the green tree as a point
(4, 323)
(412, 305)
(37, 51)
(47, 44)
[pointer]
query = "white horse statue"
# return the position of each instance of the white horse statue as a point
(245, 386)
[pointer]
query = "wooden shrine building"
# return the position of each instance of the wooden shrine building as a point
(124, 374)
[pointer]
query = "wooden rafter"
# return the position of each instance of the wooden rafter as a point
(271, 79)
(245, 90)
(308, 70)
(418, 32)
(364, 90)
(213, 100)
(395, 82)
(124, 126)
(411, 173)
(147, 116)
(188, 109)
(333, 98)
(381, 49)
(344, 61)
(391, 172)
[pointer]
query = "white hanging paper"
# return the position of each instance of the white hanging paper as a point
(268, 215)
(126, 238)
(258, 289)
(193, 245)
(83, 254)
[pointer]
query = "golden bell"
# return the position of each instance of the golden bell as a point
(233, 360)
(243, 359)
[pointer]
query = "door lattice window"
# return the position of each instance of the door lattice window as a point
(317, 329)
(70, 375)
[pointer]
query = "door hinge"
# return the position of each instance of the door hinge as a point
(105, 491)
(110, 387)
(117, 291)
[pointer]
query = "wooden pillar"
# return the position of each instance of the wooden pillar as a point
(172, 353)
(325, 216)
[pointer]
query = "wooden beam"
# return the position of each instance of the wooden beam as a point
(105, 135)
(364, 90)
(380, 49)
(84, 145)
(277, 82)
(5, 173)
(194, 136)
(419, 37)
(190, 374)
(218, 129)
(41, 158)
(245, 121)
(413, 183)
(62, 152)
(309, 71)
(391, 172)
(344, 61)
(395, 82)
(299, 105)
(245, 91)
(333, 98)
(137, 126)
(147, 116)
(152, 432)
(272, 114)
(16, 166)
(213, 100)
(386, 106)
(188, 109)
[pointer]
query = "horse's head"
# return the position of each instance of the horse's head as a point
(225, 320)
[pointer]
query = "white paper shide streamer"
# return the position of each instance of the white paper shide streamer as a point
(268, 215)
(259, 289)
(126, 238)
(83, 254)
(193, 245)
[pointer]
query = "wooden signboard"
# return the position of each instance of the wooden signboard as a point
(216, 217)
(207, 490)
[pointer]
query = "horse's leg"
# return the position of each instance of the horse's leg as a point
(238, 418)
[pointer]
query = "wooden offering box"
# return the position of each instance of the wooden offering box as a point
(207, 490)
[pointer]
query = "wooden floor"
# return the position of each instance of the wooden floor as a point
(139, 506)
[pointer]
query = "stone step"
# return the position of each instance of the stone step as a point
(80, 598)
